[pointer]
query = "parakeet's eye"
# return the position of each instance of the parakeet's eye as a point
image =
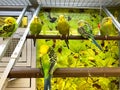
(9, 22)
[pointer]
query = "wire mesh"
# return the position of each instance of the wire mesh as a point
(78, 3)
(11, 47)
(14, 2)
(61, 3)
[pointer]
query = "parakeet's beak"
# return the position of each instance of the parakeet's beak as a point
(61, 16)
(36, 19)
(81, 24)
(108, 21)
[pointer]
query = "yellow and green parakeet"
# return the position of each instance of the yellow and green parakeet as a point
(48, 60)
(107, 28)
(85, 30)
(63, 27)
(35, 27)
(9, 27)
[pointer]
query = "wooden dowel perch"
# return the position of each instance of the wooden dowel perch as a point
(67, 72)
(98, 37)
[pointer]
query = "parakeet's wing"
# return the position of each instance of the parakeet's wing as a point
(85, 31)
(63, 27)
(32, 28)
(9, 29)
(1, 31)
(53, 59)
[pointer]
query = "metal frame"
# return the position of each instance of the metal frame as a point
(3, 48)
(5, 44)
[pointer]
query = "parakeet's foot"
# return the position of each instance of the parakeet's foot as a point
(106, 36)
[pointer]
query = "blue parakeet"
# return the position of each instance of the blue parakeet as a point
(107, 28)
(35, 27)
(48, 60)
(85, 30)
(9, 27)
(63, 27)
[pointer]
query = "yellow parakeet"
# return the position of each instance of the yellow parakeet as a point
(35, 27)
(9, 27)
(63, 27)
(107, 28)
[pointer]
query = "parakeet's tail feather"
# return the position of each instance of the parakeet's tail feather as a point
(67, 43)
(94, 41)
(34, 42)
(47, 81)
(66, 40)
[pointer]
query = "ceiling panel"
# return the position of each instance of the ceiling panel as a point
(61, 3)
(14, 2)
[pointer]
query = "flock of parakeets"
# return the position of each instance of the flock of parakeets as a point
(48, 57)
(47, 54)
(9, 27)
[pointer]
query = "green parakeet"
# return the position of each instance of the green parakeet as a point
(85, 30)
(35, 27)
(9, 27)
(107, 27)
(48, 60)
(63, 27)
